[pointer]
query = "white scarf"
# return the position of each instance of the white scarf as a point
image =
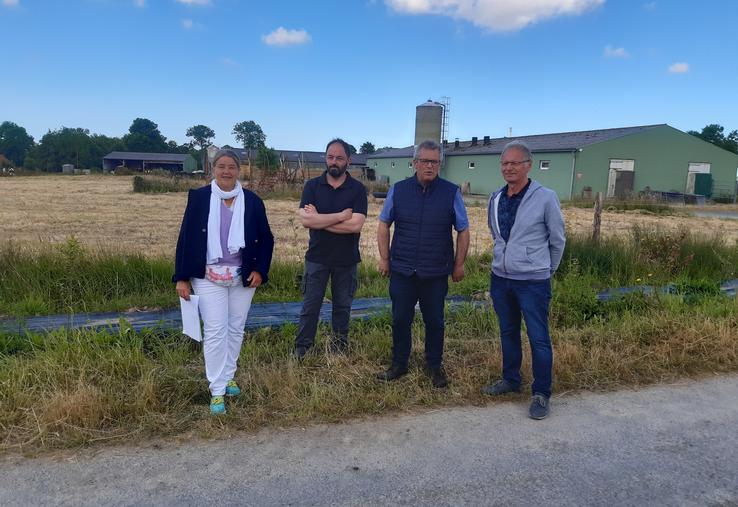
(236, 240)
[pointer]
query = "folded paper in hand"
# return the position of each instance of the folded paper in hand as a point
(191, 317)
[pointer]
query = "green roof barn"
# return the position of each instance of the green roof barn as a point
(620, 162)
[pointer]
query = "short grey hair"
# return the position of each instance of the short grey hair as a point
(520, 146)
(225, 152)
(428, 144)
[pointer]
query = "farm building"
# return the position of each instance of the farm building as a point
(306, 164)
(619, 162)
(175, 162)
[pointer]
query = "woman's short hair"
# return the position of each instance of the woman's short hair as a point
(226, 153)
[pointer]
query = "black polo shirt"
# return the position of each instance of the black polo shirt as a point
(329, 248)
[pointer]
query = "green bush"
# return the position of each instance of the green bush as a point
(160, 185)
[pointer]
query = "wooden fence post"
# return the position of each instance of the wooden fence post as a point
(597, 218)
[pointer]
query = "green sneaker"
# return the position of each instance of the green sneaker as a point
(217, 405)
(232, 388)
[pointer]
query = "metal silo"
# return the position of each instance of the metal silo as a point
(428, 121)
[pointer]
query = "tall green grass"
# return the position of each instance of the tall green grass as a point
(68, 277)
(72, 388)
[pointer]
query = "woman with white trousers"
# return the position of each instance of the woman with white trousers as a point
(224, 252)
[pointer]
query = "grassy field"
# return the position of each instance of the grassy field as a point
(103, 211)
(73, 388)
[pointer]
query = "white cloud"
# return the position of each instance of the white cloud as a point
(196, 2)
(11, 3)
(496, 15)
(139, 3)
(284, 37)
(679, 68)
(612, 52)
(187, 24)
(649, 6)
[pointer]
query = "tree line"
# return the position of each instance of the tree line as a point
(715, 134)
(85, 150)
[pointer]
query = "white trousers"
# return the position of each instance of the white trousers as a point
(223, 311)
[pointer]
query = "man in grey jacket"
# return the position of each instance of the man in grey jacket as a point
(528, 233)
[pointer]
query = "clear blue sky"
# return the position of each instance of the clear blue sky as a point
(357, 69)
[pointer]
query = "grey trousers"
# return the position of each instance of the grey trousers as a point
(314, 283)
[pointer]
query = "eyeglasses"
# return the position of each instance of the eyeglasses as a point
(512, 163)
(427, 161)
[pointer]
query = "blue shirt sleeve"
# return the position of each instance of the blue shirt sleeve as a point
(462, 221)
(388, 213)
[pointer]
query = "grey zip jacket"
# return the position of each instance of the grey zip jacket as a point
(537, 238)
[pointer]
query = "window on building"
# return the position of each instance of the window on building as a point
(544, 165)
(470, 165)
(699, 167)
(617, 164)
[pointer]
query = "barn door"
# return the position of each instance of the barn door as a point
(624, 184)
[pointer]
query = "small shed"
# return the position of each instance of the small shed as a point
(175, 162)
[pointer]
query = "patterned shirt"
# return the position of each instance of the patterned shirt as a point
(507, 209)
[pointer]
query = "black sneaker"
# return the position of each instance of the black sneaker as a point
(438, 377)
(393, 373)
(500, 387)
(300, 353)
(538, 407)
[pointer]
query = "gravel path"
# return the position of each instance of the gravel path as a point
(664, 445)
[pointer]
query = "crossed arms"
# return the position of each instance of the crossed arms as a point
(343, 222)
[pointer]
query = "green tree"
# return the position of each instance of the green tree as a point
(71, 146)
(367, 148)
(14, 142)
(144, 136)
(267, 159)
(715, 134)
(249, 134)
(201, 135)
(63, 146)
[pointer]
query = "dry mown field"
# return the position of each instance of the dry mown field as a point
(103, 211)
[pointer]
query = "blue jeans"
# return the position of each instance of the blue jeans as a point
(314, 283)
(532, 299)
(405, 291)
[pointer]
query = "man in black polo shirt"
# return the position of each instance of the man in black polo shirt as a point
(333, 207)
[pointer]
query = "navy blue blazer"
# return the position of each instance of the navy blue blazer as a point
(193, 237)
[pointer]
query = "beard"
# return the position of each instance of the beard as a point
(336, 171)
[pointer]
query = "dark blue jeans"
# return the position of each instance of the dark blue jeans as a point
(405, 291)
(532, 299)
(314, 283)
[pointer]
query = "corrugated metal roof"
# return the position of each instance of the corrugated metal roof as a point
(562, 141)
(153, 157)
